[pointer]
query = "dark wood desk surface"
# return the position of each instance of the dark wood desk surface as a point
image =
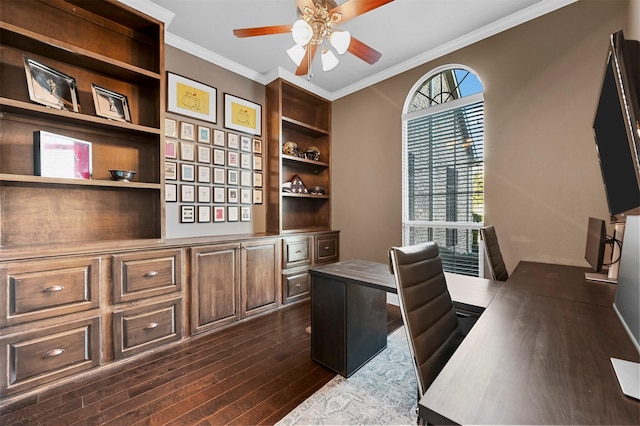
(538, 355)
(472, 293)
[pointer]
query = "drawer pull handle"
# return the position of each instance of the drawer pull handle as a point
(151, 274)
(53, 289)
(52, 353)
(298, 285)
(326, 247)
(298, 251)
(151, 326)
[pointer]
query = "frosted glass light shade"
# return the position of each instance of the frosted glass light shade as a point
(329, 60)
(296, 53)
(340, 40)
(301, 32)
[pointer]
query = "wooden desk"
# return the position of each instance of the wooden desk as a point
(539, 354)
(349, 313)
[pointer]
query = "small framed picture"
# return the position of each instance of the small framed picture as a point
(187, 172)
(204, 154)
(257, 162)
(187, 131)
(204, 214)
(219, 175)
(204, 134)
(187, 214)
(187, 193)
(232, 213)
(245, 161)
(232, 195)
(111, 105)
(187, 151)
(257, 196)
(218, 194)
(170, 128)
(245, 214)
(245, 143)
(60, 156)
(170, 170)
(245, 178)
(257, 180)
(204, 174)
(218, 214)
(232, 140)
(218, 157)
(204, 194)
(245, 196)
(232, 159)
(232, 177)
(257, 146)
(170, 148)
(50, 87)
(170, 192)
(218, 137)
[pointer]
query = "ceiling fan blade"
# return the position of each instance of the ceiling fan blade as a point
(260, 31)
(306, 61)
(364, 52)
(352, 8)
(305, 3)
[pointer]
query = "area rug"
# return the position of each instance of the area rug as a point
(382, 392)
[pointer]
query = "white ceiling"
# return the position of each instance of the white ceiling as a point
(406, 32)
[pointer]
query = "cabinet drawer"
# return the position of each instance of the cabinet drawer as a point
(327, 248)
(44, 289)
(146, 274)
(296, 251)
(139, 329)
(296, 285)
(41, 356)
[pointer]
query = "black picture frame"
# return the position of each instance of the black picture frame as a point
(110, 104)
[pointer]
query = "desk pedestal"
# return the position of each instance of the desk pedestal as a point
(348, 323)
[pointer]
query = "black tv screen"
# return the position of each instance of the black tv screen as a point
(596, 242)
(615, 128)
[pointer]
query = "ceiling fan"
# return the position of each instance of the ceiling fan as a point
(317, 22)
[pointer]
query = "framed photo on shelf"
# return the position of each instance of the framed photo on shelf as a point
(245, 196)
(170, 128)
(257, 196)
(187, 172)
(218, 157)
(245, 214)
(170, 192)
(204, 134)
(170, 170)
(187, 193)
(218, 137)
(50, 87)
(187, 214)
(219, 175)
(257, 146)
(187, 151)
(170, 148)
(242, 115)
(204, 194)
(218, 214)
(232, 195)
(204, 154)
(111, 105)
(191, 98)
(204, 174)
(204, 214)
(232, 213)
(232, 141)
(60, 156)
(187, 131)
(218, 194)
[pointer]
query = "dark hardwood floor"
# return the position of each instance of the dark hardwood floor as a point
(252, 373)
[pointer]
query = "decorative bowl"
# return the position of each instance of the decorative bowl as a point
(122, 175)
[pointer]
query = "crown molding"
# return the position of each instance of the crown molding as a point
(151, 9)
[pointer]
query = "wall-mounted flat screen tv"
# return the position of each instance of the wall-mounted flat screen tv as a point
(617, 129)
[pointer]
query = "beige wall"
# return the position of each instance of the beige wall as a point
(542, 179)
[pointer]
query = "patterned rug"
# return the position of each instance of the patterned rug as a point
(382, 392)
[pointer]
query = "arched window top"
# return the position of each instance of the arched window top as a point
(444, 86)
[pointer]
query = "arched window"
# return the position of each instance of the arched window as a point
(443, 166)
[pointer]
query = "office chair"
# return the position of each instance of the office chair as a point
(430, 321)
(494, 256)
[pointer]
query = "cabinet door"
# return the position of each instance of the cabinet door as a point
(214, 286)
(260, 276)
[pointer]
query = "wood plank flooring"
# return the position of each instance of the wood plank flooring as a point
(252, 373)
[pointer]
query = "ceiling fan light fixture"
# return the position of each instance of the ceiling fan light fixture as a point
(340, 40)
(301, 32)
(329, 60)
(296, 53)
